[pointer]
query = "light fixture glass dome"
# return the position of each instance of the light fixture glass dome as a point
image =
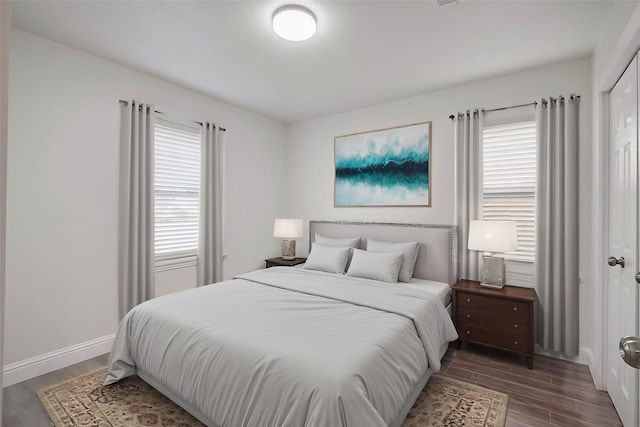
(294, 23)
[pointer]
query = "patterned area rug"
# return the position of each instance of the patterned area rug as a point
(84, 401)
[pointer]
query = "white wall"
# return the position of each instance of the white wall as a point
(5, 20)
(61, 284)
(310, 148)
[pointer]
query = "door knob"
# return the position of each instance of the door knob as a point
(613, 261)
(638, 277)
(630, 351)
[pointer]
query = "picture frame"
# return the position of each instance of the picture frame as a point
(384, 167)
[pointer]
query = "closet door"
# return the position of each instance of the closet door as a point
(622, 379)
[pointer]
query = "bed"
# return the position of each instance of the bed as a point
(295, 346)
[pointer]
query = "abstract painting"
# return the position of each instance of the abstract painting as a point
(387, 167)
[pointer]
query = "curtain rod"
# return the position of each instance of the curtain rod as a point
(534, 103)
(122, 101)
(512, 106)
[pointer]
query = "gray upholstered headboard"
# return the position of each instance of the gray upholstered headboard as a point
(436, 257)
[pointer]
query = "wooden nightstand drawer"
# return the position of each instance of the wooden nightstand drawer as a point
(503, 308)
(493, 320)
(507, 341)
(500, 318)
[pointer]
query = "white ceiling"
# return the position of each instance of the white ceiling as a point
(364, 53)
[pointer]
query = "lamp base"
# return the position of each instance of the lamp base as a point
(288, 250)
(490, 286)
(493, 272)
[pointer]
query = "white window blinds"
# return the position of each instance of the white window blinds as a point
(177, 192)
(509, 181)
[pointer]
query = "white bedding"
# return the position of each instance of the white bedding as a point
(287, 347)
(440, 289)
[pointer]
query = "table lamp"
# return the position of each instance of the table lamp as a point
(289, 230)
(493, 236)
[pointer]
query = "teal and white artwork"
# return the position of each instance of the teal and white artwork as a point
(388, 167)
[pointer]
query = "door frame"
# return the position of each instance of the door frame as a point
(626, 48)
(5, 32)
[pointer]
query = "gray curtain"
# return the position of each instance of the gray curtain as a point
(210, 229)
(136, 251)
(556, 277)
(468, 187)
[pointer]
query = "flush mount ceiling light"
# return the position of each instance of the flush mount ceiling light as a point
(294, 23)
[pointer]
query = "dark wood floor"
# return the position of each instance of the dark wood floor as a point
(21, 406)
(554, 393)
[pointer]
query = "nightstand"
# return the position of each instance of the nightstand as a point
(273, 262)
(498, 318)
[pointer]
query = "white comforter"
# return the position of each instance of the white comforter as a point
(286, 347)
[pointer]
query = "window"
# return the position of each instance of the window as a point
(177, 192)
(509, 189)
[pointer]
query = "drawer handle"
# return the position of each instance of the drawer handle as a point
(468, 299)
(468, 332)
(515, 325)
(515, 342)
(468, 316)
(515, 308)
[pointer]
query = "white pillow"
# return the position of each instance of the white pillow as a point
(383, 266)
(410, 255)
(352, 242)
(327, 258)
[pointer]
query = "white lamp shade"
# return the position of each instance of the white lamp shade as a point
(287, 228)
(493, 236)
(294, 23)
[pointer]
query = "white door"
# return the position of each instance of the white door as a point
(622, 380)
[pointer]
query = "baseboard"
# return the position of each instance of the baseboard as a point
(49, 362)
(596, 374)
(587, 355)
